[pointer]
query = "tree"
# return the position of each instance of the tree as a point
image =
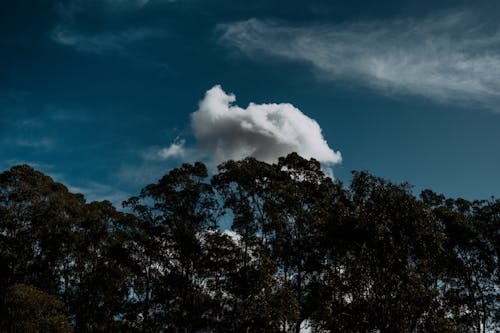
(280, 210)
(303, 204)
(244, 187)
(468, 286)
(98, 287)
(31, 310)
(51, 239)
(173, 212)
(36, 219)
(303, 248)
(384, 276)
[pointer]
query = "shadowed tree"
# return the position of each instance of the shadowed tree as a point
(36, 220)
(278, 211)
(98, 290)
(385, 265)
(302, 204)
(245, 189)
(172, 214)
(302, 249)
(28, 309)
(468, 286)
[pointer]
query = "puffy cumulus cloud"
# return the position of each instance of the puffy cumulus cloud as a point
(176, 149)
(450, 57)
(264, 131)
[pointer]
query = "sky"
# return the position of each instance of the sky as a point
(107, 96)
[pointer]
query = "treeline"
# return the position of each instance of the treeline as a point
(255, 248)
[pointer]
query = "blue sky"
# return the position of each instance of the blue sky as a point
(104, 96)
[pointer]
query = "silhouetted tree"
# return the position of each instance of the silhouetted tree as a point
(28, 309)
(302, 249)
(36, 219)
(172, 214)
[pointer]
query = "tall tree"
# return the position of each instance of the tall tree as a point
(98, 287)
(31, 310)
(302, 249)
(302, 204)
(468, 286)
(173, 212)
(36, 220)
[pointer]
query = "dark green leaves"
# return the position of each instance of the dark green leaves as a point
(302, 249)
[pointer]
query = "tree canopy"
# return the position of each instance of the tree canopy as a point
(300, 250)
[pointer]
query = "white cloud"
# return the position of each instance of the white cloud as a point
(111, 34)
(452, 58)
(133, 3)
(68, 10)
(176, 149)
(101, 43)
(265, 131)
(38, 143)
(45, 118)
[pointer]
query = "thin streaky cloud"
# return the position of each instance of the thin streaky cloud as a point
(102, 43)
(44, 119)
(38, 143)
(448, 58)
(73, 29)
(68, 10)
(136, 3)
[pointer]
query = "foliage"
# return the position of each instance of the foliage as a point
(28, 309)
(302, 249)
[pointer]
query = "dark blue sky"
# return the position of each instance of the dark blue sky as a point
(99, 94)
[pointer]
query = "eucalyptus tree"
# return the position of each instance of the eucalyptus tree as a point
(54, 240)
(244, 188)
(36, 220)
(29, 309)
(98, 290)
(387, 263)
(302, 207)
(469, 286)
(279, 211)
(303, 248)
(172, 213)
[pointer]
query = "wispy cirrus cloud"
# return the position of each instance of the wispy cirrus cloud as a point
(136, 3)
(108, 31)
(448, 58)
(69, 10)
(132, 3)
(42, 143)
(102, 42)
(33, 129)
(31, 142)
(24, 122)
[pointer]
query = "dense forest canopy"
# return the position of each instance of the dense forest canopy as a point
(302, 250)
